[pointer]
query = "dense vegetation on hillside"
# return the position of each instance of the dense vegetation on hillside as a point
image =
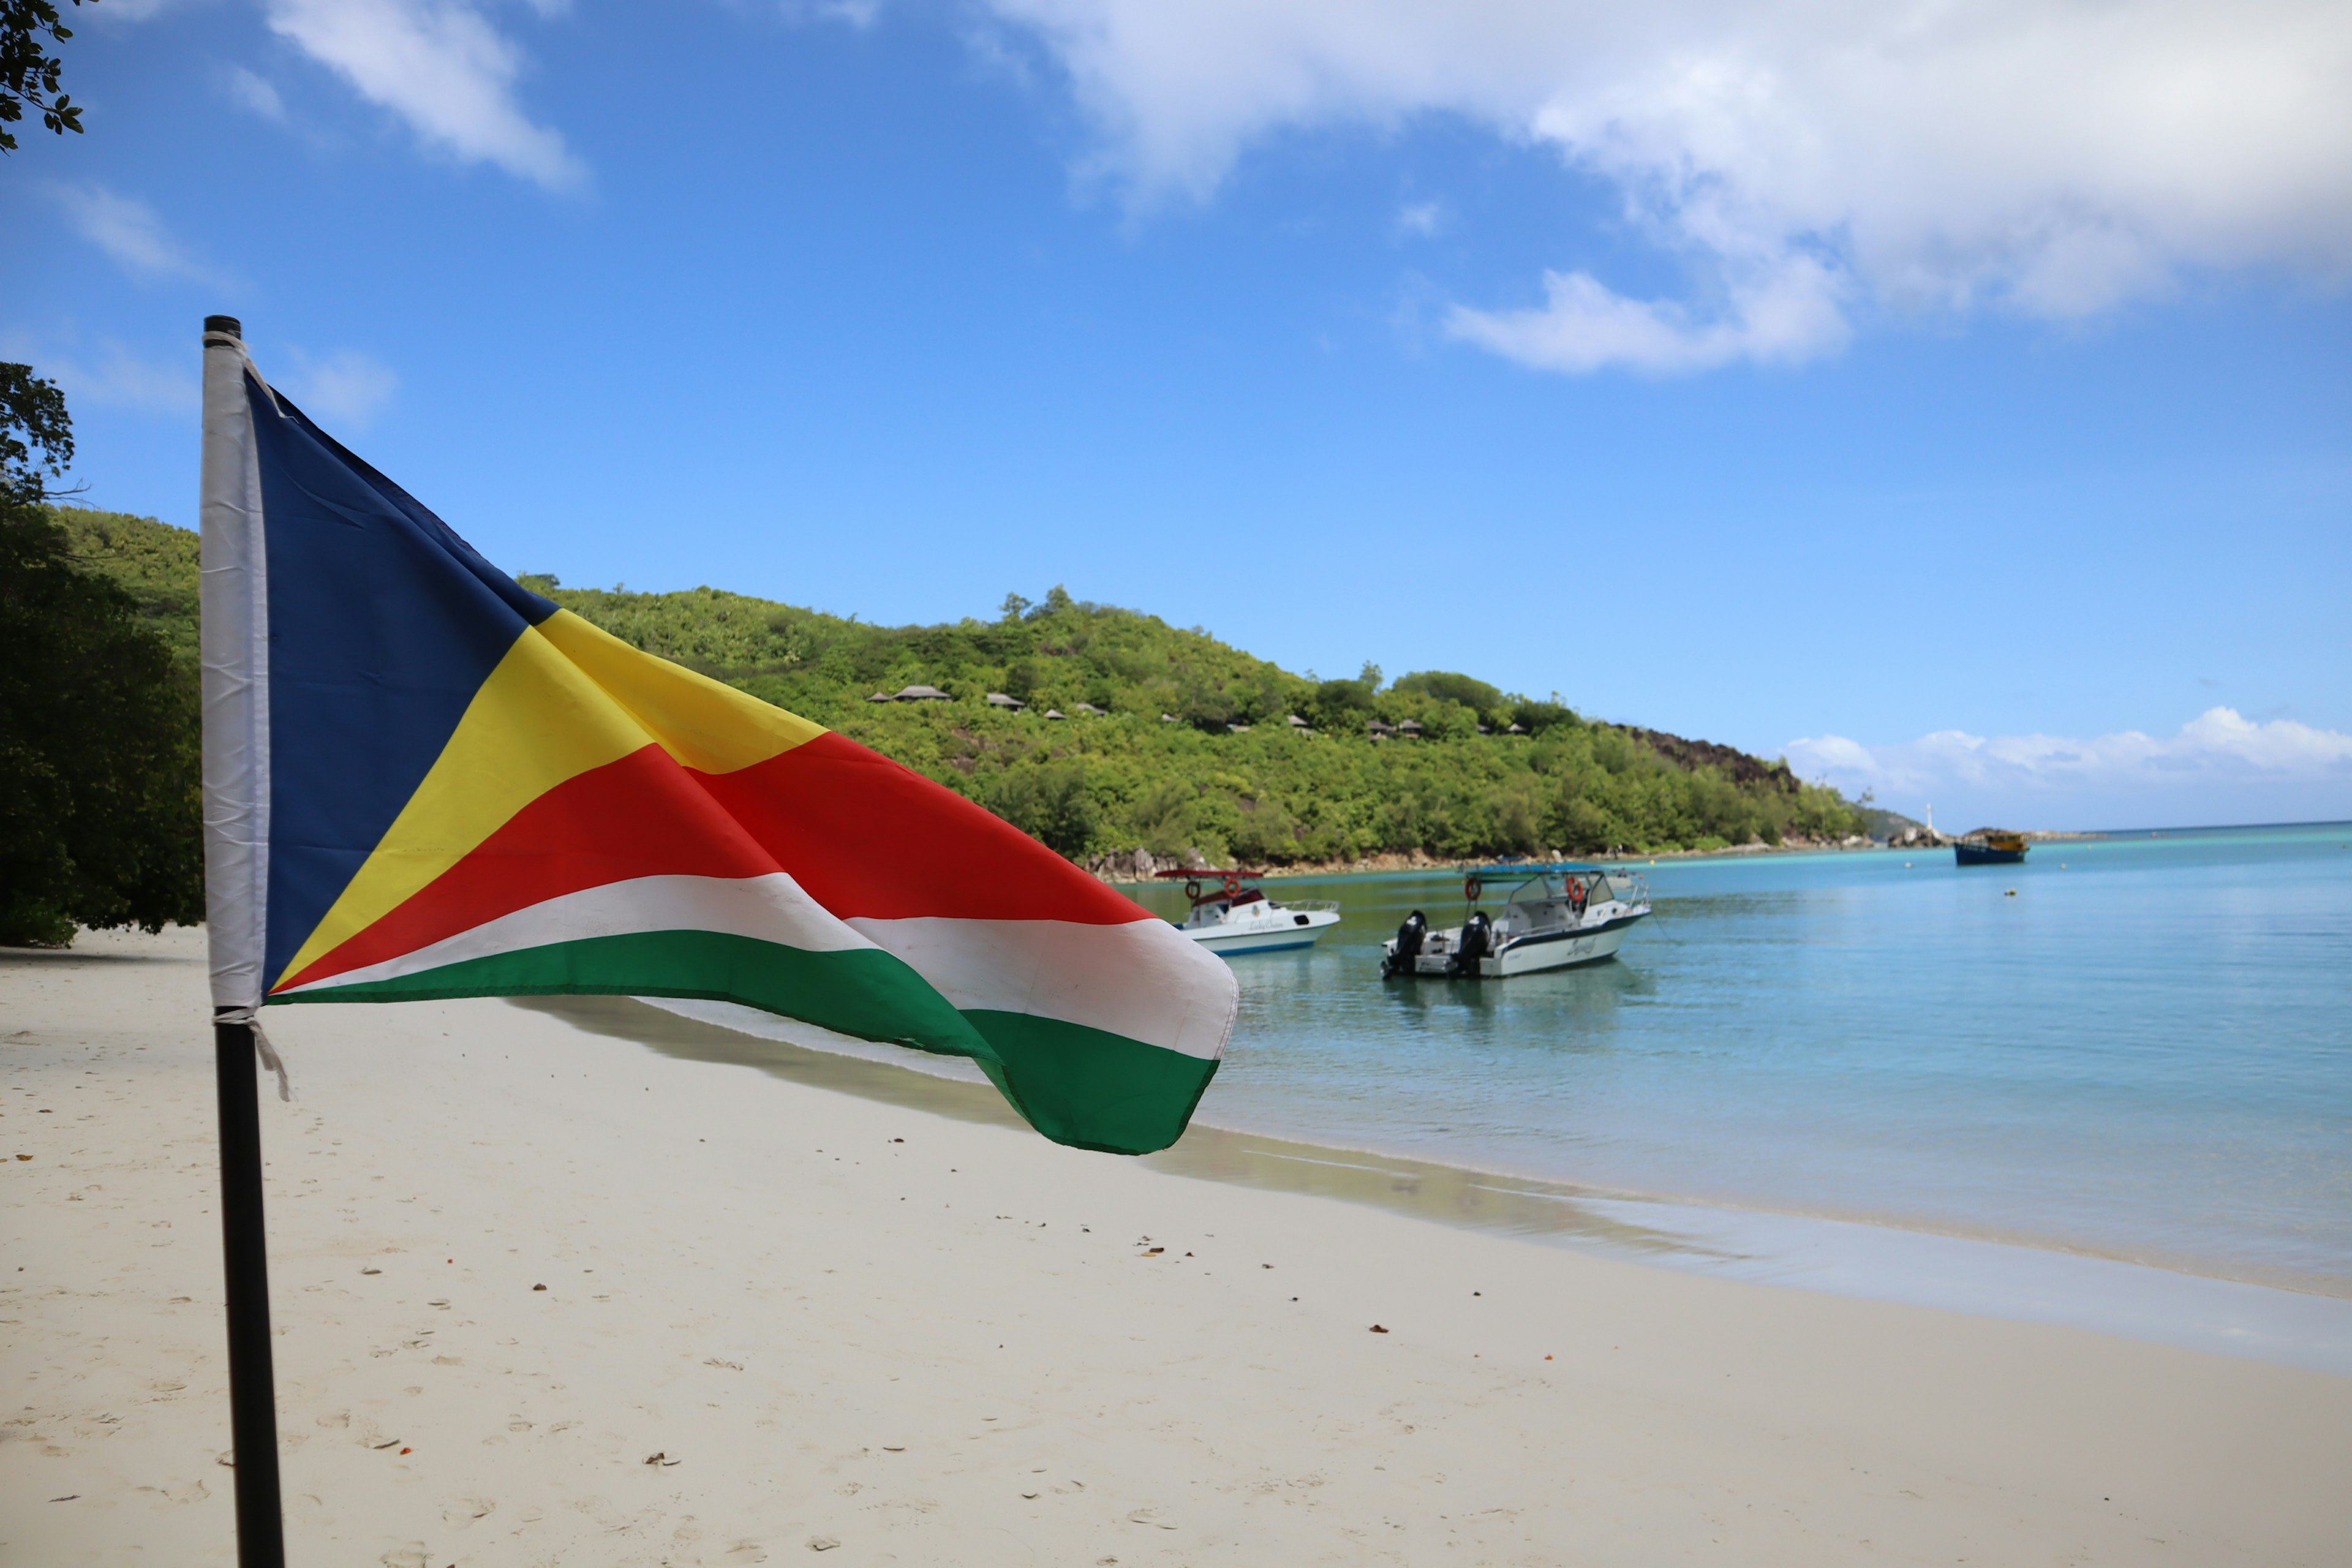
(1162, 766)
(152, 562)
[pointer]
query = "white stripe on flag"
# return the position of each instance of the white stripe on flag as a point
(1139, 979)
(767, 908)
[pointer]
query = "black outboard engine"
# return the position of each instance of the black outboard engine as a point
(1477, 942)
(1408, 944)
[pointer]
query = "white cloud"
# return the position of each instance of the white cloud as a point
(256, 93)
(1787, 316)
(129, 11)
(1831, 755)
(2053, 157)
(851, 12)
(439, 65)
(129, 231)
(119, 378)
(1421, 218)
(2218, 755)
(346, 389)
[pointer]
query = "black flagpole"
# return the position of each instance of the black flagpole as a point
(252, 1391)
(231, 539)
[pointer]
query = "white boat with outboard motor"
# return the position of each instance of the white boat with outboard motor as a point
(1553, 916)
(1232, 914)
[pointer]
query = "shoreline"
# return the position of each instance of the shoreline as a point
(1390, 863)
(1109, 868)
(2309, 1323)
(542, 1293)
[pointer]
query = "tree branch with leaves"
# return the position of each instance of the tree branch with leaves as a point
(29, 74)
(36, 435)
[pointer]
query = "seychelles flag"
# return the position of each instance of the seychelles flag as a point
(422, 780)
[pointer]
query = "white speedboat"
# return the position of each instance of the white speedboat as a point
(1231, 914)
(1554, 916)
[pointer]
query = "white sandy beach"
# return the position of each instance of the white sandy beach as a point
(957, 1349)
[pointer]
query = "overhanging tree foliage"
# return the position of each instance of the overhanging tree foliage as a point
(29, 74)
(35, 434)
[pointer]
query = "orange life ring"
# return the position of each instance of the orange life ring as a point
(1473, 887)
(1233, 887)
(1575, 889)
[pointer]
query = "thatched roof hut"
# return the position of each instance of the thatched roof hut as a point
(998, 700)
(920, 694)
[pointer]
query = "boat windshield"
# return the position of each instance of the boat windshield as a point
(1555, 882)
(1535, 891)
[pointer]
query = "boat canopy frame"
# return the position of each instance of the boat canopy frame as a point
(1553, 878)
(1235, 885)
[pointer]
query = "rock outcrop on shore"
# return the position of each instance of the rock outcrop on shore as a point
(1737, 765)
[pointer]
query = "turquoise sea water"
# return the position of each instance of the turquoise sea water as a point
(2145, 1054)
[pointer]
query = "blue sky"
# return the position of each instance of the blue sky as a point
(1964, 411)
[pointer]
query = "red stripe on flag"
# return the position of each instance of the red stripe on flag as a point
(643, 815)
(863, 836)
(867, 836)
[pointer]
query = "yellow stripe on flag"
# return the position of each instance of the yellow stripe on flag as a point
(567, 698)
(710, 727)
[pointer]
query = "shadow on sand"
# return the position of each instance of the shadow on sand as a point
(1510, 1206)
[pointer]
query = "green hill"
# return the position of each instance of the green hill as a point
(155, 561)
(1194, 749)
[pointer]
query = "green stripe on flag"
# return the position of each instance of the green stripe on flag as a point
(863, 991)
(1091, 1089)
(1083, 1087)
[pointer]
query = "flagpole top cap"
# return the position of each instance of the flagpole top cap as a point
(227, 324)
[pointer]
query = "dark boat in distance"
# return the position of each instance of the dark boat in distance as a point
(1989, 846)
